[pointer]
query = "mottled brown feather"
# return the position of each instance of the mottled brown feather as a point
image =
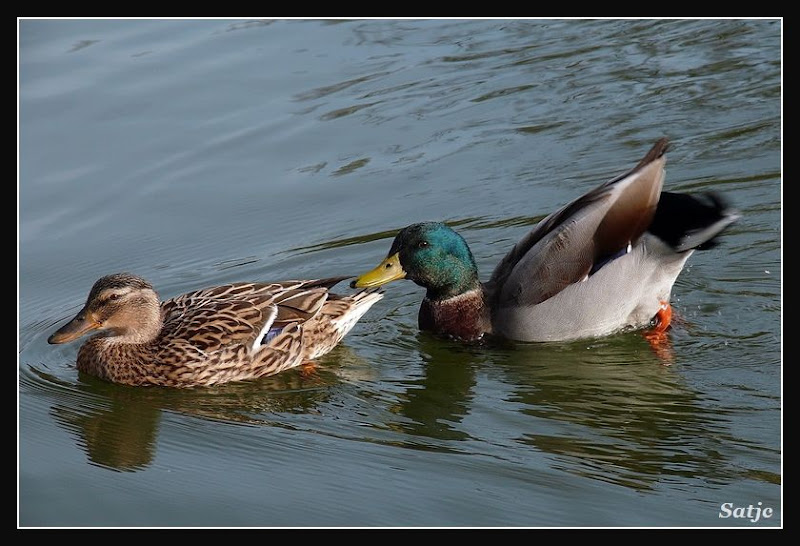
(213, 335)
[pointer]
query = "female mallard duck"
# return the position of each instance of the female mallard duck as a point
(602, 263)
(225, 333)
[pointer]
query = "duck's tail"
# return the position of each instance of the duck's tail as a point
(689, 222)
(346, 316)
(336, 318)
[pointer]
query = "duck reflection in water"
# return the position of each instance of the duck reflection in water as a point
(118, 426)
(608, 411)
(437, 402)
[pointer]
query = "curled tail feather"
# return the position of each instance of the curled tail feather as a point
(689, 222)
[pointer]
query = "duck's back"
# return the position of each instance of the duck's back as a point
(605, 262)
(568, 246)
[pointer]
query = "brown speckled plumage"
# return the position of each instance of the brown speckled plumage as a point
(210, 336)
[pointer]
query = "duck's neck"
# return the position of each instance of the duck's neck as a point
(448, 278)
(126, 363)
(127, 351)
(463, 316)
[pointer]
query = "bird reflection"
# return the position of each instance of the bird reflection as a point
(612, 411)
(121, 436)
(117, 426)
(605, 409)
(441, 398)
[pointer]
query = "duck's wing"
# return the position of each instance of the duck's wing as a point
(568, 244)
(241, 313)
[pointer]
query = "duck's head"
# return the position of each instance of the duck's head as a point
(120, 305)
(430, 254)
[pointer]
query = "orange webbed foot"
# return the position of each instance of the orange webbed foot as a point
(657, 335)
(663, 318)
(308, 369)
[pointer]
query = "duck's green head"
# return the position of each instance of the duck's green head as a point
(430, 254)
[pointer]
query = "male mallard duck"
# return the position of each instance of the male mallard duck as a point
(602, 263)
(225, 333)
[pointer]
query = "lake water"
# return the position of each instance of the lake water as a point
(197, 152)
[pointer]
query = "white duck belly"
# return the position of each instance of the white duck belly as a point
(625, 293)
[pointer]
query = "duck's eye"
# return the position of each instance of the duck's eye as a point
(113, 297)
(422, 244)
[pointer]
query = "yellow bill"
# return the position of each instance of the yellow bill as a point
(389, 270)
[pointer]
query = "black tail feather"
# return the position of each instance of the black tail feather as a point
(687, 222)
